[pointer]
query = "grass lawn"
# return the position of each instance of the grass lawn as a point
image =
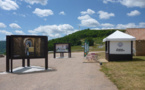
(77, 48)
(127, 75)
(91, 48)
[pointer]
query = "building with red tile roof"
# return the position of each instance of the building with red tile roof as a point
(139, 44)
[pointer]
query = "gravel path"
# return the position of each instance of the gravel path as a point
(70, 74)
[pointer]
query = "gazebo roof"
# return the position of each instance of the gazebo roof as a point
(119, 36)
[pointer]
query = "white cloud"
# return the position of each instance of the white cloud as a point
(90, 23)
(28, 6)
(70, 32)
(85, 17)
(106, 1)
(128, 3)
(32, 31)
(105, 15)
(22, 15)
(34, 34)
(57, 35)
(45, 19)
(14, 26)
(130, 25)
(87, 21)
(8, 5)
(107, 25)
(5, 32)
(43, 12)
(89, 11)
(95, 28)
(142, 25)
(124, 26)
(19, 32)
(14, 13)
(119, 26)
(104, 28)
(133, 3)
(62, 13)
(2, 25)
(133, 13)
(42, 2)
(53, 31)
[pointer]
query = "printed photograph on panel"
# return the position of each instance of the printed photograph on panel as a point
(62, 47)
(28, 47)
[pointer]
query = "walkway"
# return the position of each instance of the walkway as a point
(70, 74)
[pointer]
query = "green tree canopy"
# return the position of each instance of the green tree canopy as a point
(91, 41)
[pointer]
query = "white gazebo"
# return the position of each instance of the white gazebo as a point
(119, 46)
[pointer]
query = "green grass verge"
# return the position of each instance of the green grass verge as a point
(81, 49)
(127, 75)
(77, 49)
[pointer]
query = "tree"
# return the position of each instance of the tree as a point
(91, 41)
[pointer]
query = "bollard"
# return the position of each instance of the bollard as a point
(101, 63)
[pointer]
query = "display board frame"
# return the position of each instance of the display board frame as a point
(10, 50)
(62, 52)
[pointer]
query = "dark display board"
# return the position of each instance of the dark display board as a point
(26, 47)
(62, 48)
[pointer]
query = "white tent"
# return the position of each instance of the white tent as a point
(119, 46)
(119, 36)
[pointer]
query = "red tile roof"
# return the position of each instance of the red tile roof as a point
(139, 33)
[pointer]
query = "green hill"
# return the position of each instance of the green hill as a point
(2, 47)
(78, 37)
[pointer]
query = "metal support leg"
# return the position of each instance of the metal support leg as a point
(54, 55)
(69, 55)
(23, 62)
(61, 54)
(7, 65)
(46, 63)
(11, 65)
(28, 62)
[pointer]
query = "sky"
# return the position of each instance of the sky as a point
(57, 18)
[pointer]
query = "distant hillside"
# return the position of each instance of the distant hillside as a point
(75, 39)
(78, 37)
(2, 47)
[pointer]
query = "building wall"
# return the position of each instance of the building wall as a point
(134, 48)
(139, 44)
(140, 47)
